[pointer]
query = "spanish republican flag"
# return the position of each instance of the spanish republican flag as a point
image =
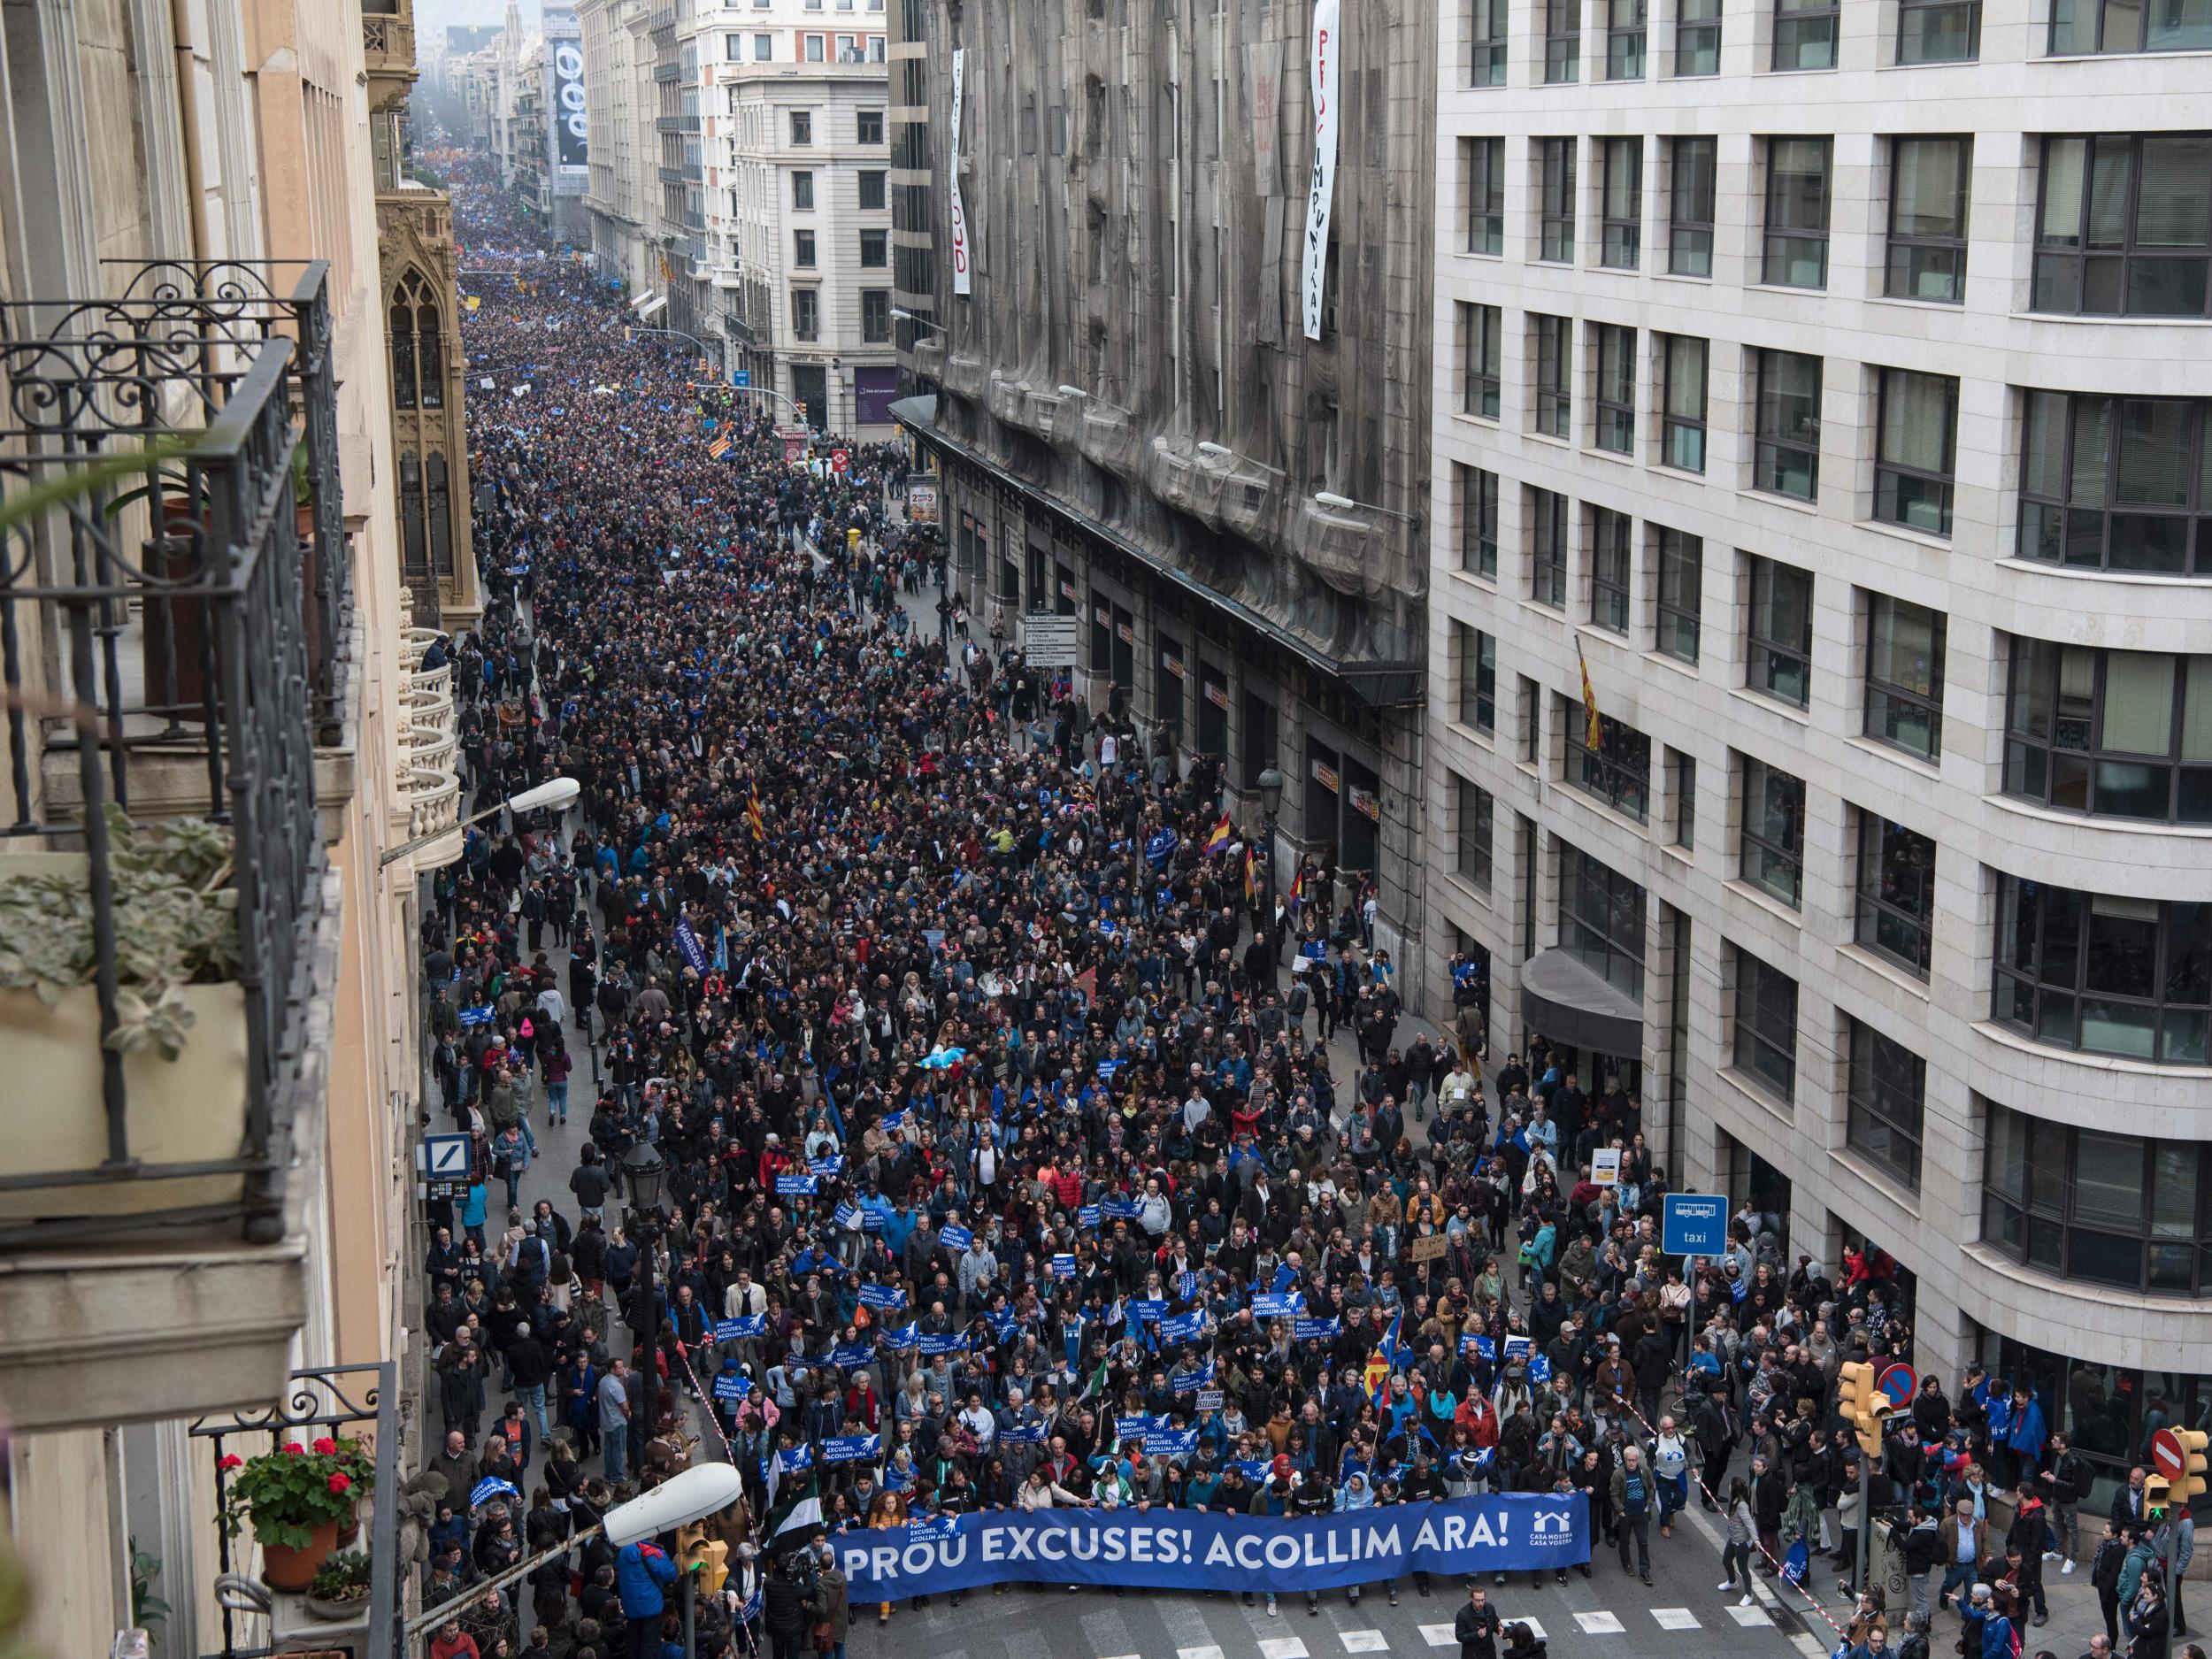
(753, 820)
(1593, 728)
(1219, 836)
(1297, 889)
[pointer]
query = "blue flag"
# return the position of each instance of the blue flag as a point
(489, 1487)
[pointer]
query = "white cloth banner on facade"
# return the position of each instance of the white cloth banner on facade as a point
(1327, 49)
(960, 279)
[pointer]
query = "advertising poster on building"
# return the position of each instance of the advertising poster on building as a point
(1327, 49)
(570, 131)
(921, 502)
(960, 274)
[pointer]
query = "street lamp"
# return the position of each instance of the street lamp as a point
(1269, 783)
(554, 791)
(642, 1173)
(1217, 451)
(911, 317)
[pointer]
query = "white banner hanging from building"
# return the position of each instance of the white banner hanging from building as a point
(1327, 49)
(952, 175)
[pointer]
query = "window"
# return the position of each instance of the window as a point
(875, 250)
(2105, 1209)
(1555, 364)
(1918, 450)
(1773, 850)
(815, 47)
(802, 122)
(1562, 41)
(1487, 28)
(1611, 558)
(1684, 799)
(1615, 396)
(872, 196)
(2117, 483)
(2082, 27)
(1766, 1026)
(1547, 548)
(1478, 520)
(1472, 806)
(733, 49)
(2124, 228)
(1478, 658)
(806, 313)
(871, 127)
(1888, 1086)
(1556, 158)
(1483, 161)
(1896, 908)
(1601, 920)
(803, 192)
(1624, 21)
(1697, 38)
(803, 249)
(1787, 456)
(1927, 219)
(1940, 31)
(875, 315)
(2105, 975)
(1682, 417)
(1617, 772)
(1681, 592)
(1690, 196)
(1797, 213)
(1904, 675)
(763, 49)
(1805, 33)
(1532, 711)
(1780, 636)
(1481, 328)
(2110, 733)
(1621, 241)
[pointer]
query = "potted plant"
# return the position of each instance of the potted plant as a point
(339, 1586)
(182, 1025)
(299, 1500)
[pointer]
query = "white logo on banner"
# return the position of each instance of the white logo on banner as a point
(959, 208)
(1326, 50)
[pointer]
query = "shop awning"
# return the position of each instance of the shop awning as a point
(645, 305)
(1565, 1000)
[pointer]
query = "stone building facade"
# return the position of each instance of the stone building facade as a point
(1132, 426)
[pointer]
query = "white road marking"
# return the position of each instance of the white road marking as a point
(1600, 1624)
(1675, 1618)
(1440, 1635)
(1364, 1641)
(1283, 1647)
(1749, 1617)
(1208, 1652)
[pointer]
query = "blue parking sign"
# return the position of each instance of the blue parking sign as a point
(1696, 1224)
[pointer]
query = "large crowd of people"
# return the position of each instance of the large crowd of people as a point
(942, 1051)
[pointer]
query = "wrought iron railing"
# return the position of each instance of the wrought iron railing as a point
(357, 1402)
(212, 650)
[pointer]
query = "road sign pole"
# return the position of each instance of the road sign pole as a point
(1866, 1519)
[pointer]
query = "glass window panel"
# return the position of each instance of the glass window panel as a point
(1929, 187)
(2155, 436)
(2196, 709)
(2173, 1189)
(2108, 1179)
(1917, 420)
(2176, 183)
(2138, 702)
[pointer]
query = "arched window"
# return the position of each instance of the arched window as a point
(414, 558)
(418, 345)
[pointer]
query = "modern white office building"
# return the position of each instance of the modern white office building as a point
(1833, 380)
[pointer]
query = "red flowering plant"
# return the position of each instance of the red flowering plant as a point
(288, 1492)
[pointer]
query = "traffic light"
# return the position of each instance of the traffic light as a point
(692, 1549)
(1864, 1406)
(2154, 1491)
(716, 1570)
(2193, 1461)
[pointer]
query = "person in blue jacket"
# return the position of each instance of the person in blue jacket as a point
(2025, 1434)
(643, 1573)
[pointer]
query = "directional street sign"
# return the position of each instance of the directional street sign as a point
(741, 379)
(1696, 1224)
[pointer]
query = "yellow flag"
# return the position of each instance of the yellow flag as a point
(1593, 729)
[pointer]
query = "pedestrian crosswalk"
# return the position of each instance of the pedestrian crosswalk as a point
(1598, 1622)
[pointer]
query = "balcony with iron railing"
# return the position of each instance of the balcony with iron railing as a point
(177, 635)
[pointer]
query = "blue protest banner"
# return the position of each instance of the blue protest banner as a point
(888, 1297)
(1022, 1434)
(1134, 1428)
(795, 1460)
(794, 1185)
(733, 1386)
(1317, 1330)
(852, 1449)
(1002, 1321)
(1118, 1209)
(1183, 1327)
(1285, 1305)
(1086, 1216)
(1189, 1382)
(1144, 1310)
(489, 1487)
(932, 1530)
(476, 1015)
(906, 1336)
(951, 1342)
(832, 1165)
(750, 1328)
(1481, 1346)
(688, 941)
(1185, 1549)
(852, 1356)
(845, 1215)
(1063, 1266)
(954, 1238)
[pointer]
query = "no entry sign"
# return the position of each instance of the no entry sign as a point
(2167, 1455)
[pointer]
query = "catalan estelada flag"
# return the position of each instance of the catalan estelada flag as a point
(720, 447)
(1380, 1362)
(1593, 728)
(1218, 836)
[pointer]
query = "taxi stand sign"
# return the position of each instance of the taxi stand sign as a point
(1694, 1224)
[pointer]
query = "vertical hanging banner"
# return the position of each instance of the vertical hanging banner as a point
(1327, 49)
(952, 175)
